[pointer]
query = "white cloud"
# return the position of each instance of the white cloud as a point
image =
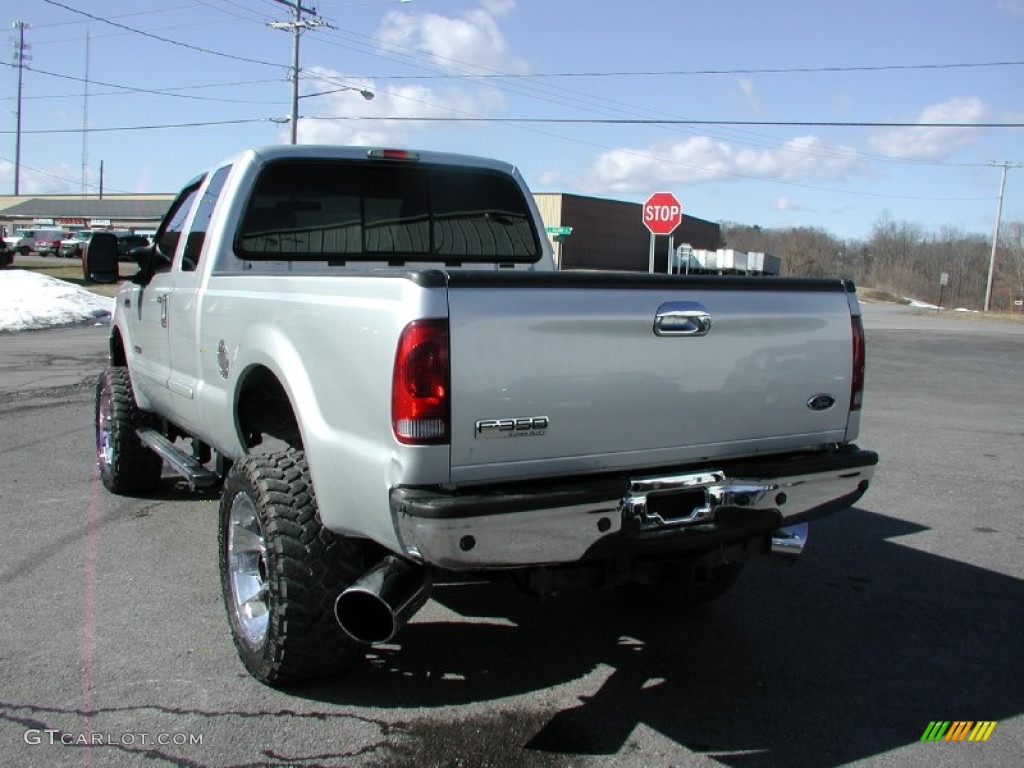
(746, 85)
(334, 117)
(934, 143)
(701, 158)
(471, 43)
(1011, 7)
(784, 204)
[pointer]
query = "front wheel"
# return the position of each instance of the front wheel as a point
(125, 464)
(281, 571)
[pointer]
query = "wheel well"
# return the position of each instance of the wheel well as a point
(263, 410)
(117, 353)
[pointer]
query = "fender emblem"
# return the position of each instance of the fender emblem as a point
(821, 402)
(223, 359)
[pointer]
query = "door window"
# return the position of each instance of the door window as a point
(170, 231)
(201, 221)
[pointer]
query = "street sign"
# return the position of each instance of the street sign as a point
(662, 213)
(944, 278)
(559, 230)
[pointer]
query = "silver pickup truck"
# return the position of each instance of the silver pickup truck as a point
(371, 352)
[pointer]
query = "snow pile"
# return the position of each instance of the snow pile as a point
(29, 300)
(919, 304)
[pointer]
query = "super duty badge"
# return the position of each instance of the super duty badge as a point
(528, 426)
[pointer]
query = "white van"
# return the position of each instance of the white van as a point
(45, 242)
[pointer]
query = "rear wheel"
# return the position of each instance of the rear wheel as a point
(281, 571)
(125, 464)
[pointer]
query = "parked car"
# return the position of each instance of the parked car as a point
(71, 247)
(45, 242)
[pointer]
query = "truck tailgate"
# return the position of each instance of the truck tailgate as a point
(564, 373)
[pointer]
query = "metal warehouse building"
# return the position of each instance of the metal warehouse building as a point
(609, 234)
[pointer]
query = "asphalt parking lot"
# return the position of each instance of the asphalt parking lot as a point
(906, 609)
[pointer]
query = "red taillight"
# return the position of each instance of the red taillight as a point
(420, 385)
(859, 352)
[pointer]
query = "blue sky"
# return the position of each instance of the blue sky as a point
(873, 61)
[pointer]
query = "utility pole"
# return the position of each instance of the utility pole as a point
(995, 235)
(20, 57)
(85, 120)
(296, 25)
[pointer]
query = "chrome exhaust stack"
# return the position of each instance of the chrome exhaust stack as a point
(788, 544)
(379, 604)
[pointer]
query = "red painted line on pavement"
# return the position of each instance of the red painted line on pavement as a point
(89, 612)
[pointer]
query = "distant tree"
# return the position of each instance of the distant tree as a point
(898, 257)
(1009, 265)
(804, 251)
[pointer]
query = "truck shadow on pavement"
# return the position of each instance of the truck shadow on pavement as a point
(849, 654)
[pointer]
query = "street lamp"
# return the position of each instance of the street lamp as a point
(366, 94)
(293, 119)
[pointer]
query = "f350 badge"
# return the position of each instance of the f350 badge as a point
(527, 426)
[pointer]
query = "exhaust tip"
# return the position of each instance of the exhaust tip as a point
(379, 604)
(788, 544)
(364, 616)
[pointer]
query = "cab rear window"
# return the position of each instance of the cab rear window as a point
(354, 211)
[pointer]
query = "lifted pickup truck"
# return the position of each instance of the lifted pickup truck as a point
(372, 352)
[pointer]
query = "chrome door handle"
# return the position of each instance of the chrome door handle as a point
(682, 318)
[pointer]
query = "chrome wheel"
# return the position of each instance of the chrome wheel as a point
(247, 567)
(104, 431)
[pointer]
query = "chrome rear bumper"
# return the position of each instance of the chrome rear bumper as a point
(568, 521)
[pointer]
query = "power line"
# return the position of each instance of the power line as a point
(147, 91)
(206, 123)
(41, 172)
(119, 16)
(696, 72)
(540, 120)
(572, 99)
(178, 43)
(154, 91)
(674, 121)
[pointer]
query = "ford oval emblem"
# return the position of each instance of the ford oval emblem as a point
(821, 402)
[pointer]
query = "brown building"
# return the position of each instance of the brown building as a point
(610, 234)
(71, 212)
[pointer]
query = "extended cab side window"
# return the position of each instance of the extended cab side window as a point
(169, 234)
(201, 221)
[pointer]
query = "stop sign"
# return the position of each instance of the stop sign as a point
(662, 213)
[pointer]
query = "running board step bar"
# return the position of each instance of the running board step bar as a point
(197, 475)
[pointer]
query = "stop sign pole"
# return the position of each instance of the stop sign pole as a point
(662, 213)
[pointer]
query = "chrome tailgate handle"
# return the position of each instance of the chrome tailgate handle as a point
(682, 318)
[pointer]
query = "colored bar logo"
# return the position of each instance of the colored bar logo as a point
(958, 730)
